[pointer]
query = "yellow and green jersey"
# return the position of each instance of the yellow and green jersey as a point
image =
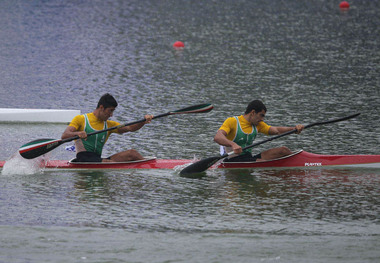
(242, 132)
(90, 123)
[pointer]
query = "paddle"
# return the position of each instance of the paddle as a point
(204, 164)
(39, 147)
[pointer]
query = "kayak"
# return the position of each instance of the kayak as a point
(305, 159)
(299, 159)
(37, 115)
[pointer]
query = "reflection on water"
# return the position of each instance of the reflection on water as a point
(321, 194)
(248, 204)
(224, 200)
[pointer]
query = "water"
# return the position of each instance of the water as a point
(308, 61)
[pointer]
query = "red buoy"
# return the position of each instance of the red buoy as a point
(344, 5)
(178, 44)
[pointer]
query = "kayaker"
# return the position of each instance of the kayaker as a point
(240, 131)
(89, 149)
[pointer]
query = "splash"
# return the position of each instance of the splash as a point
(17, 165)
(179, 168)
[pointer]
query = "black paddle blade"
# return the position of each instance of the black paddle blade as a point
(38, 147)
(200, 166)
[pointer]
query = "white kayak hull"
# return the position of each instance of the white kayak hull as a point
(37, 115)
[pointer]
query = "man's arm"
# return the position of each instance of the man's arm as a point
(72, 132)
(220, 138)
(137, 126)
(279, 130)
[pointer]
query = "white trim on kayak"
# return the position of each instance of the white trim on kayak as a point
(37, 115)
(149, 158)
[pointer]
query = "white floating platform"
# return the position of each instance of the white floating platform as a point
(37, 115)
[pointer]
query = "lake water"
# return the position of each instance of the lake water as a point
(307, 60)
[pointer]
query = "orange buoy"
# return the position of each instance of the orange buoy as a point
(178, 44)
(344, 5)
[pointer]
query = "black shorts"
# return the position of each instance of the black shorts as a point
(245, 157)
(88, 157)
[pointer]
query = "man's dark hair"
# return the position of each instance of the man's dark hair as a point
(256, 105)
(107, 100)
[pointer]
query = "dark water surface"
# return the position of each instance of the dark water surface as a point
(307, 60)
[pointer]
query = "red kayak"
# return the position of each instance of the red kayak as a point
(300, 159)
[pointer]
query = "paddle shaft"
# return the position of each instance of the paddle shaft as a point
(294, 131)
(204, 164)
(113, 128)
(191, 109)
